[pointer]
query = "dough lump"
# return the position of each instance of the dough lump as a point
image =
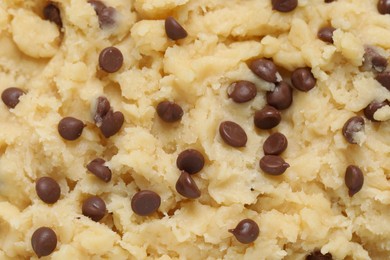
(306, 209)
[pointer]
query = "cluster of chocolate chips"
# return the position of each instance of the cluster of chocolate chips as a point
(269, 116)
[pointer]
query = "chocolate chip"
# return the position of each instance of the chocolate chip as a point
(302, 79)
(169, 111)
(275, 144)
(44, 241)
(383, 6)
(94, 208)
(97, 167)
(284, 5)
(187, 187)
(329, 1)
(373, 60)
(266, 118)
(370, 110)
(145, 202)
(265, 69)
(246, 231)
(70, 128)
(273, 164)
(107, 17)
(10, 96)
(48, 190)
(233, 134)
(190, 160)
(174, 30)
(52, 14)
(351, 127)
(102, 108)
(242, 91)
(110, 59)
(112, 123)
(353, 179)
(98, 6)
(317, 255)
(384, 79)
(326, 34)
(281, 97)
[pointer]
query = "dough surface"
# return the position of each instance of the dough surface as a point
(305, 209)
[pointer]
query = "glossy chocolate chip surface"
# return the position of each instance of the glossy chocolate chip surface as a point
(273, 165)
(94, 208)
(281, 97)
(246, 231)
(265, 69)
(43, 241)
(169, 111)
(174, 30)
(233, 134)
(10, 96)
(267, 118)
(110, 59)
(354, 179)
(98, 168)
(242, 91)
(190, 160)
(70, 128)
(145, 202)
(186, 186)
(275, 144)
(48, 190)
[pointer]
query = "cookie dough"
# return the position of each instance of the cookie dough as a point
(142, 152)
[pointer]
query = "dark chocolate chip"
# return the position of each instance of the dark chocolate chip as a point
(94, 208)
(174, 30)
(383, 6)
(102, 108)
(246, 231)
(112, 123)
(145, 202)
(70, 128)
(373, 60)
(242, 91)
(284, 5)
(190, 160)
(98, 168)
(10, 96)
(326, 34)
(233, 134)
(281, 97)
(266, 118)
(384, 79)
(107, 17)
(48, 190)
(353, 179)
(273, 164)
(370, 110)
(302, 79)
(169, 111)
(110, 59)
(187, 187)
(275, 144)
(98, 6)
(329, 1)
(351, 127)
(265, 69)
(52, 14)
(43, 241)
(317, 255)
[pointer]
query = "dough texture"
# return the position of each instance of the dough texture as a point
(305, 209)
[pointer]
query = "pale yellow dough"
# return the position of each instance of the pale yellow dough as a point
(306, 209)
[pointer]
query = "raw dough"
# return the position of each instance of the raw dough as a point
(305, 209)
